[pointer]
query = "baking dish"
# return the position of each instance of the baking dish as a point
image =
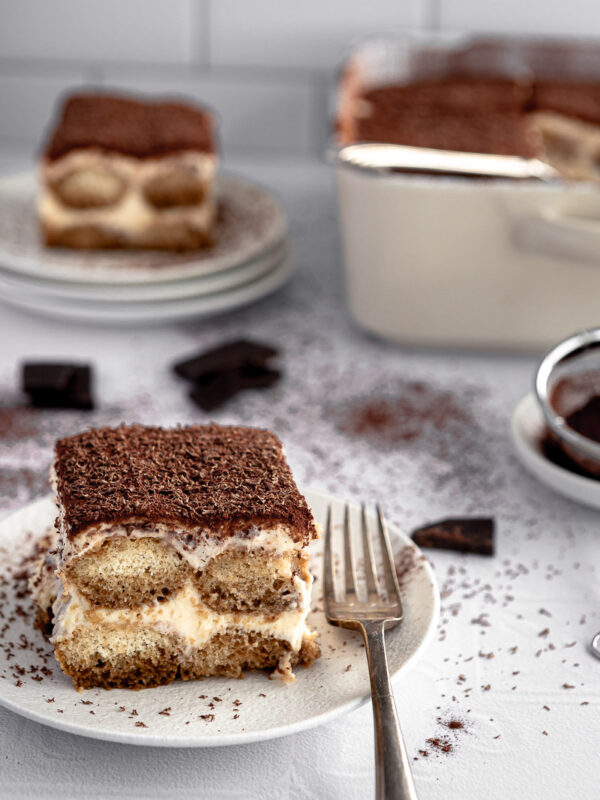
(437, 260)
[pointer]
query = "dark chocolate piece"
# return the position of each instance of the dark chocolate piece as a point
(230, 356)
(554, 453)
(586, 420)
(215, 390)
(55, 385)
(467, 535)
(225, 478)
(131, 127)
(46, 376)
(255, 377)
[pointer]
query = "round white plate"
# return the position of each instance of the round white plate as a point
(251, 222)
(527, 429)
(157, 312)
(251, 270)
(249, 710)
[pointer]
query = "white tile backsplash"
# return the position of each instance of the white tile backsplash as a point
(100, 30)
(308, 35)
(515, 16)
(264, 65)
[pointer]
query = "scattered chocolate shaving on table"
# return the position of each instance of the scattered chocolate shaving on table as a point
(466, 535)
(58, 385)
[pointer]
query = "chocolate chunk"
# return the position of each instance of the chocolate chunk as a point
(47, 377)
(254, 377)
(230, 356)
(215, 390)
(586, 420)
(54, 385)
(474, 535)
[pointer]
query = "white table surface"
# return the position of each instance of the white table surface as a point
(544, 575)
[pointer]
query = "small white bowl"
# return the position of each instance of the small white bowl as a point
(528, 430)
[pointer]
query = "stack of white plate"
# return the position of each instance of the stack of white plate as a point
(251, 258)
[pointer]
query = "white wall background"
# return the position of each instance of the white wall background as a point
(265, 65)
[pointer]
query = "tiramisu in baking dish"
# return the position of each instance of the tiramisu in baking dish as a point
(119, 172)
(462, 102)
(468, 171)
(180, 553)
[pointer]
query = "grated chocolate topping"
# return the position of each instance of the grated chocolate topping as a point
(131, 127)
(228, 479)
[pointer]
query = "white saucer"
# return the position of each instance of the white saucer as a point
(251, 223)
(527, 429)
(158, 311)
(335, 684)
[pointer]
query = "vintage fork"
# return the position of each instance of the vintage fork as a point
(372, 616)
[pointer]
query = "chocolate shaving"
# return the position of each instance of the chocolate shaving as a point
(228, 479)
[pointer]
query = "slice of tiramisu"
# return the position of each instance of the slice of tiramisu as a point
(180, 552)
(119, 172)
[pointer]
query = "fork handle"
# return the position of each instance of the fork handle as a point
(394, 779)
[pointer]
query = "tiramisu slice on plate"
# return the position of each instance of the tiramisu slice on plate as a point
(180, 552)
(119, 172)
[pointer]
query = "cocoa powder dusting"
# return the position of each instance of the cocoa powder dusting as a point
(406, 416)
(17, 423)
(421, 417)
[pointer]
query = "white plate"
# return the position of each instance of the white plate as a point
(333, 685)
(527, 428)
(157, 312)
(251, 223)
(251, 270)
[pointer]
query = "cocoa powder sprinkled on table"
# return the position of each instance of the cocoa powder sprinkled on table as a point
(405, 416)
(424, 417)
(18, 422)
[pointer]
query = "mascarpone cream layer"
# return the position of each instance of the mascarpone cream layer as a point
(271, 541)
(132, 213)
(184, 616)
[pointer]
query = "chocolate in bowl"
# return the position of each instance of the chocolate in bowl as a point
(567, 387)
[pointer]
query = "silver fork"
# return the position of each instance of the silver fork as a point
(372, 616)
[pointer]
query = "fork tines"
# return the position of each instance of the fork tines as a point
(382, 591)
